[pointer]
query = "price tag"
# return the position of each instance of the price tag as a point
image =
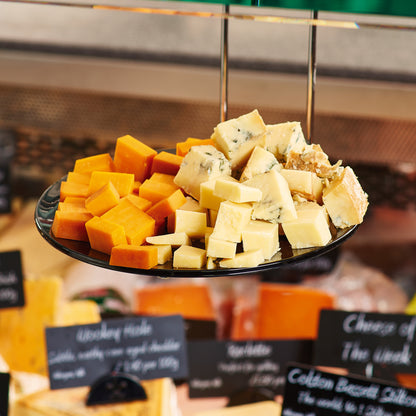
(147, 347)
(310, 392)
(367, 343)
(11, 280)
(4, 393)
(223, 368)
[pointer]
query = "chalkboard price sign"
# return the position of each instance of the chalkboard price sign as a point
(311, 392)
(359, 341)
(4, 393)
(11, 280)
(225, 368)
(146, 347)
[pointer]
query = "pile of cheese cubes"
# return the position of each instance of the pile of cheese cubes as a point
(241, 190)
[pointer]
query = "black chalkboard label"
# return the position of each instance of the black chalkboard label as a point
(223, 368)
(374, 344)
(4, 393)
(146, 347)
(5, 189)
(311, 392)
(11, 280)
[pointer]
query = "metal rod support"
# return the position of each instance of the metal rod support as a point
(224, 65)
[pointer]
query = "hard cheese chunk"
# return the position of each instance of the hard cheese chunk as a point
(231, 220)
(263, 235)
(276, 204)
(201, 164)
(192, 223)
(345, 200)
(235, 191)
(304, 183)
(260, 161)
(172, 239)
(237, 137)
(188, 257)
(207, 198)
(282, 138)
(250, 258)
(309, 229)
(220, 248)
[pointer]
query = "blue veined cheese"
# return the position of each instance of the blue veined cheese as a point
(345, 200)
(310, 228)
(261, 234)
(201, 164)
(282, 138)
(237, 137)
(250, 258)
(260, 161)
(231, 219)
(305, 183)
(235, 191)
(276, 204)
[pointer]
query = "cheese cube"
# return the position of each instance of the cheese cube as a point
(188, 257)
(237, 137)
(212, 217)
(208, 198)
(201, 164)
(211, 263)
(220, 248)
(276, 204)
(261, 234)
(173, 239)
(190, 222)
(231, 220)
(245, 259)
(309, 229)
(164, 253)
(190, 205)
(236, 191)
(305, 183)
(260, 161)
(282, 138)
(345, 200)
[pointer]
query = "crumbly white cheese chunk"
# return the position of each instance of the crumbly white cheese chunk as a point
(309, 229)
(244, 259)
(282, 138)
(345, 200)
(276, 204)
(236, 191)
(237, 137)
(260, 161)
(201, 164)
(305, 183)
(261, 234)
(189, 257)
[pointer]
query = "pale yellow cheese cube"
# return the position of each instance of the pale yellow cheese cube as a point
(207, 197)
(244, 259)
(212, 213)
(305, 183)
(211, 263)
(237, 137)
(276, 204)
(220, 248)
(261, 234)
(236, 191)
(231, 219)
(201, 164)
(164, 253)
(309, 229)
(188, 257)
(172, 239)
(190, 205)
(192, 223)
(282, 138)
(345, 200)
(260, 161)
(208, 232)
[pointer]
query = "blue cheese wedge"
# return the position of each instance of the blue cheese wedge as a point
(263, 235)
(260, 161)
(237, 137)
(309, 229)
(244, 259)
(201, 164)
(276, 204)
(304, 183)
(283, 138)
(345, 200)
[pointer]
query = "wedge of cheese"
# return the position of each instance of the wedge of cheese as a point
(260, 161)
(304, 183)
(261, 234)
(250, 258)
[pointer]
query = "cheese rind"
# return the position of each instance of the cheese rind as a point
(345, 200)
(276, 204)
(201, 164)
(261, 234)
(237, 137)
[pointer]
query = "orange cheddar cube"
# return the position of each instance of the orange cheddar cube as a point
(76, 200)
(182, 148)
(167, 206)
(133, 156)
(72, 207)
(165, 162)
(155, 191)
(123, 182)
(101, 162)
(141, 257)
(102, 200)
(103, 235)
(137, 224)
(136, 187)
(139, 202)
(73, 189)
(70, 225)
(78, 177)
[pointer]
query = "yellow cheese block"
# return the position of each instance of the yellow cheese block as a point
(79, 312)
(160, 402)
(269, 408)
